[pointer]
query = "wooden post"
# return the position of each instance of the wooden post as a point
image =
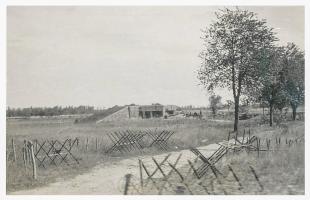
(129, 116)
(99, 143)
(96, 144)
(249, 134)
(14, 152)
(236, 177)
(228, 140)
(24, 158)
(243, 136)
(256, 178)
(29, 154)
(258, 144)
(127, 181)
(36, 142)
(141, 175)
(25, 151)
(192, 167)
(86, 143)
(33, 161)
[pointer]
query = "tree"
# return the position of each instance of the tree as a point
(274, 97)
(214, 100)
(281, 78)
(232, 43)
(270, 88)
(294, 76)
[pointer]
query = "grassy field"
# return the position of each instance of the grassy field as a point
(280, 171)
(189, 133)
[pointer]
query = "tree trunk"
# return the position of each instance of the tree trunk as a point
(270, 114)
(236, 114)
(294, 108)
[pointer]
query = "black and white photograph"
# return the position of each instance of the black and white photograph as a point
(155, 100)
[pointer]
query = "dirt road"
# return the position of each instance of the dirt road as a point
(106, 178)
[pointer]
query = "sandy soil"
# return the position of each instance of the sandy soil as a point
(107, 178)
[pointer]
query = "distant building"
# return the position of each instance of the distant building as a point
(151, 111)
(139, 111)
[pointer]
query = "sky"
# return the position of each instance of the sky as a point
(105, 56)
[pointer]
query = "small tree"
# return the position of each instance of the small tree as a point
(270, 85)
(273, 95)
(215, 101)
(294, 76)
(229, 60)
(282, 78)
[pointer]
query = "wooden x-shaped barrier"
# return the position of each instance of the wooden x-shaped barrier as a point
(207, 162)
(125, 141)
(163, 175)
(160, 139)
(48, 152)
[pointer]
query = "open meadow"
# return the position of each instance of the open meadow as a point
(93, 142)
(189, 132)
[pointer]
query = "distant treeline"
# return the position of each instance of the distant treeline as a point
(49, 111)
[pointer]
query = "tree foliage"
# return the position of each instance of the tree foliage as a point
(229, 59)
(294, 76)
(270, 88)
(49, 111)
(281, 78)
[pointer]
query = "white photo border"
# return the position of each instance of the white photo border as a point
(3, 7)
